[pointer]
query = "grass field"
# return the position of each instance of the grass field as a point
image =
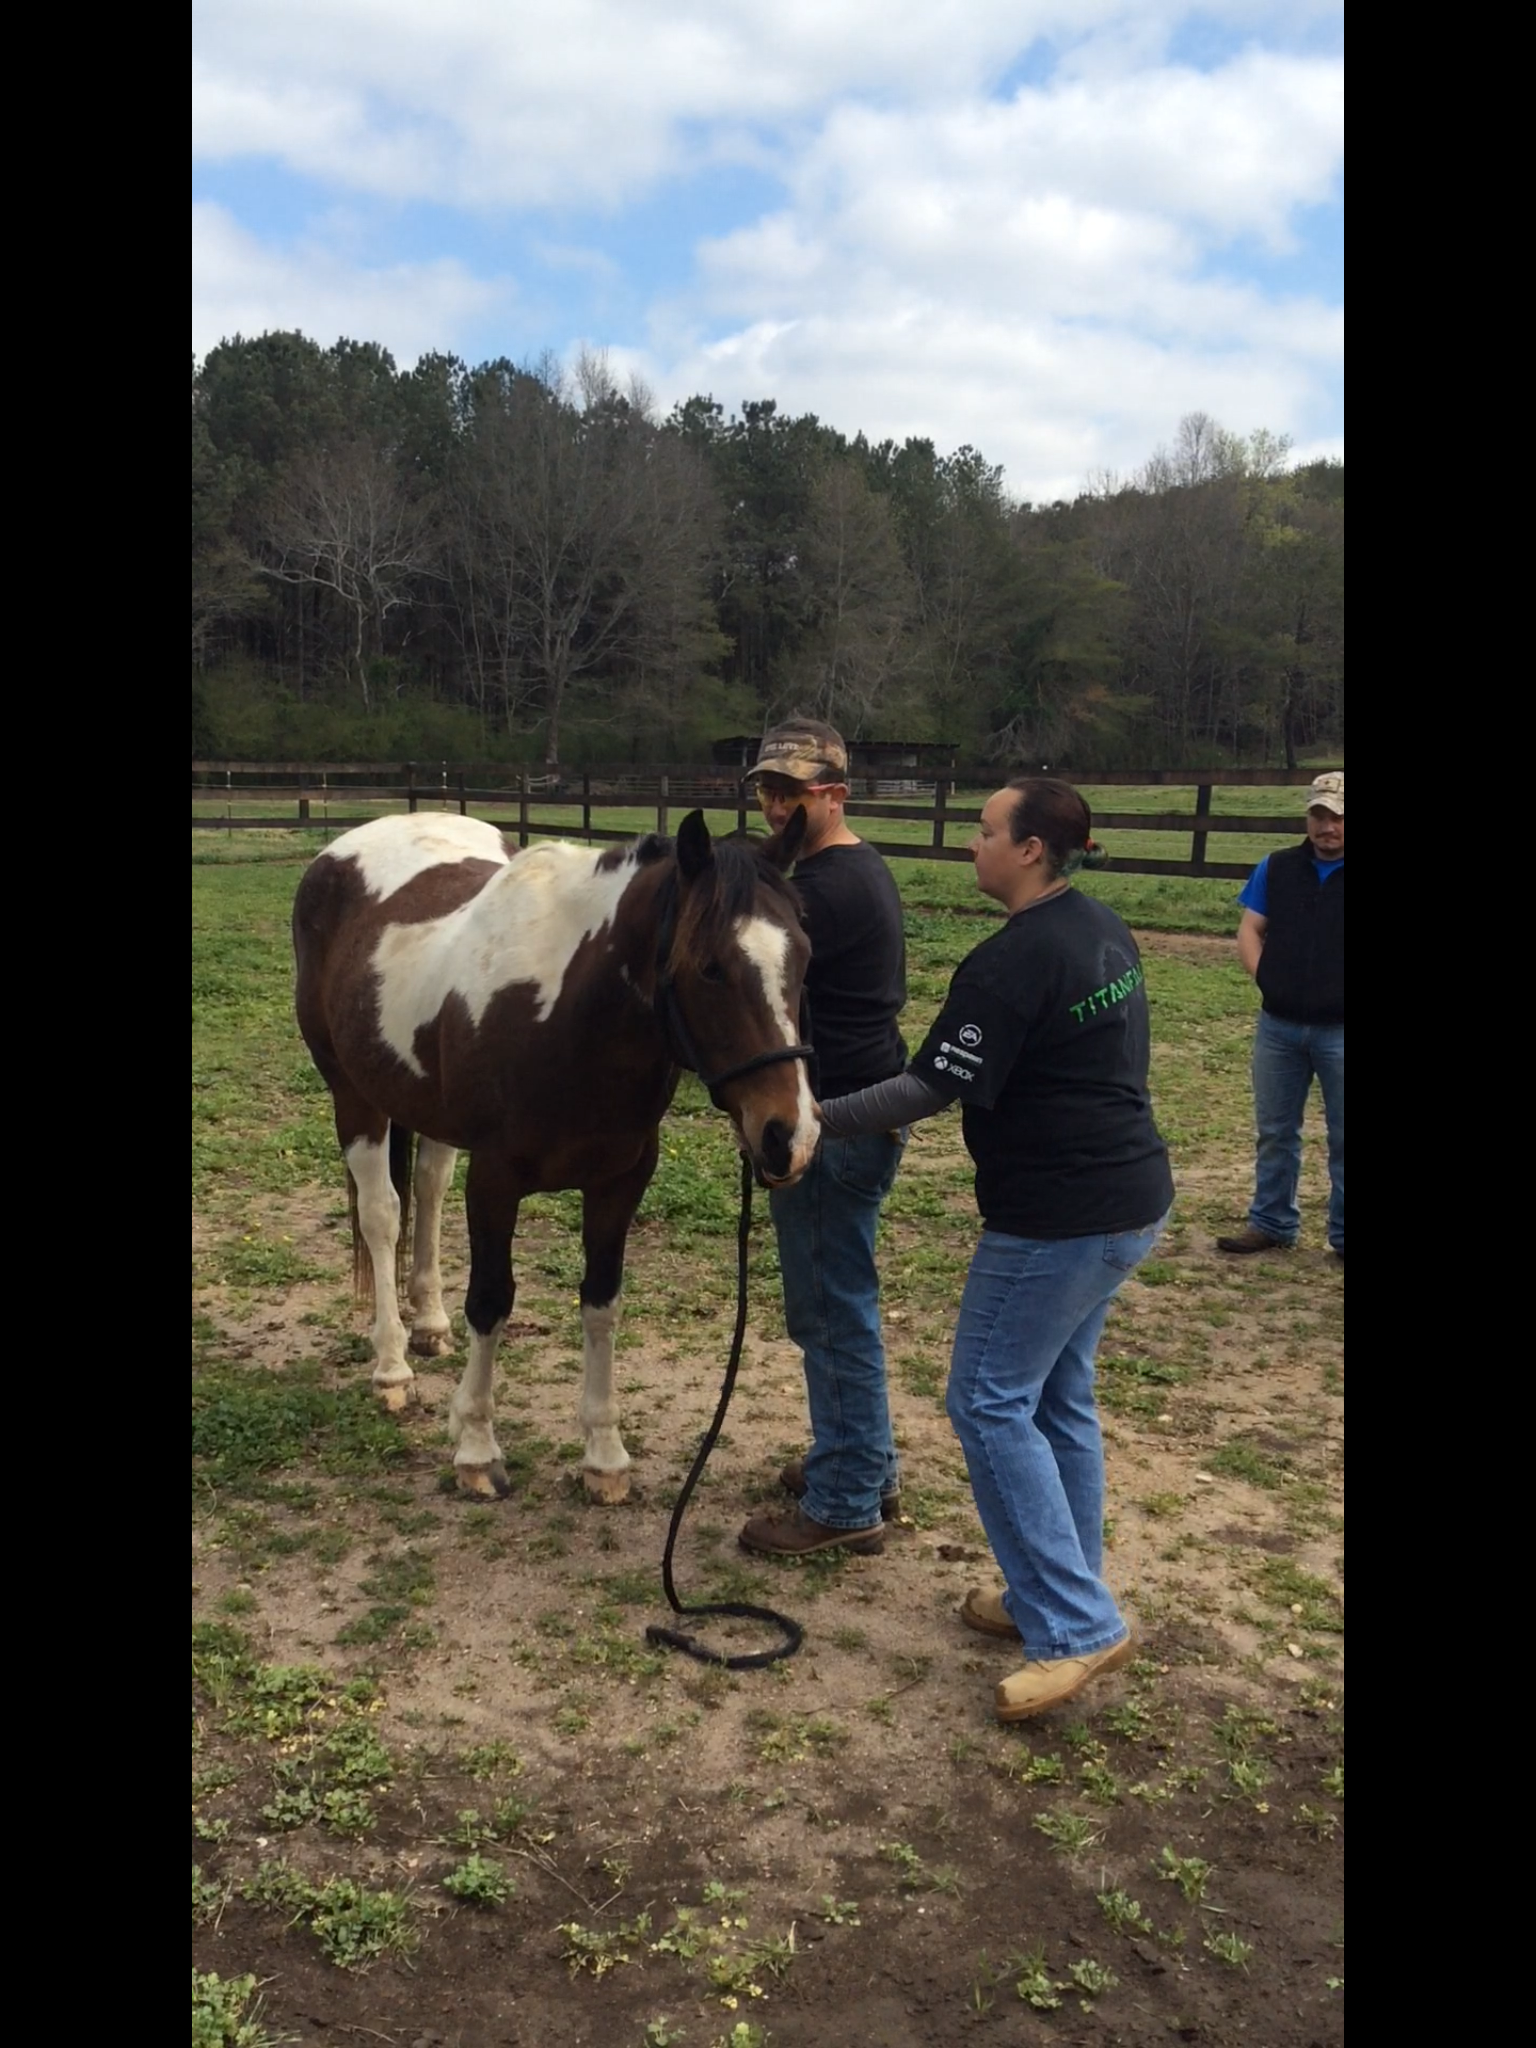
(442, 1784)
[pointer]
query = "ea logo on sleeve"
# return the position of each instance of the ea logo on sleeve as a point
(969, 1035)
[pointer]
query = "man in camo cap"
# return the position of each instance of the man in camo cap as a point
(847, 1484)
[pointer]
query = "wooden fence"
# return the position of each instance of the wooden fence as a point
(318, 795)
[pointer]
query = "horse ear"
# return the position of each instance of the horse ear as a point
(694, 852)
(783, 847)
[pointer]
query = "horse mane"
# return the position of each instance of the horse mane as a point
(705, 915)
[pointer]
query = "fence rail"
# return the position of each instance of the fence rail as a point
(311, 788)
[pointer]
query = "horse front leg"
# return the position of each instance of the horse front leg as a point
(491, 1199)
(377, 1222)
(606, 1214)
(431, 1332)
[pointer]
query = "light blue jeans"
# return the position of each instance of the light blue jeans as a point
(1021, 1400)
(1286, 1056)
(825, 1226)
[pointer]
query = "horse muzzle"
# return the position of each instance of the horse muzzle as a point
(782, 1152)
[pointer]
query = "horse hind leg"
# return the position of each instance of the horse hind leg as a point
(376, 1210)
(431, 1333)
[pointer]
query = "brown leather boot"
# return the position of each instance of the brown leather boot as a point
(792, 1479)
(796, 1535)
(1251, 1240)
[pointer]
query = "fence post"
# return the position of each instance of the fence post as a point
(1202, 810)
(522, 808)
(661, 805)
(940, 791)
(229, 804)
(443, 788)
(463, 804)
(586, 805)
(410, 785)
(303, 810)
(741, 806)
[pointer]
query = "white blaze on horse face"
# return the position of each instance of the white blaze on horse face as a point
(766, 945)
(523, 929)
(390, 852)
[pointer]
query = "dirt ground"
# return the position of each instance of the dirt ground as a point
(887, 1866)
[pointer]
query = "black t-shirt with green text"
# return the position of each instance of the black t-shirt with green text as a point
(1044, 1041)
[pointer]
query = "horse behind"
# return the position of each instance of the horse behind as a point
(535, 1012)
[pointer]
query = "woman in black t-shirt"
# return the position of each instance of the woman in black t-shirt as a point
(1043, 1040)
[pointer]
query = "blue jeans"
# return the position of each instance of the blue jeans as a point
(1021, 1400)
(1285, 1058)
(825, 1226)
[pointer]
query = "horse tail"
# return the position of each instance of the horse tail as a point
(402, 1147)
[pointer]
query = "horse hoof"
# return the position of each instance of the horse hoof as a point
(431, 1343)
(608, 1487)
(398, 1396)
(484, 1482)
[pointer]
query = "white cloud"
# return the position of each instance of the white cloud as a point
(478, 102)
(1052, 272)
(1051, 402)
(323, 132)
(1040, 277)
(242, 286)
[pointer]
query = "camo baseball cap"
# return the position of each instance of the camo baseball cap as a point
(1327, 794)
(805, 750)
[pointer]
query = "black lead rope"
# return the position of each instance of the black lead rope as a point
(675, 1639)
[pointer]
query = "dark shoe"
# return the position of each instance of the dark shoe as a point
(796, 1535)
(1251, 1240)
(1042, 1685)
(792, 1479)
(985, 1611)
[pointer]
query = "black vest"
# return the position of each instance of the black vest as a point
(1301, 969)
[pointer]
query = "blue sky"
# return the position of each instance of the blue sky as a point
(1048, 228)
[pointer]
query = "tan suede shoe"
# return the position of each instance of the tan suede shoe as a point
(985, 1611)
(1046, 1684)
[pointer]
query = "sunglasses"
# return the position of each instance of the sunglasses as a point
(786, 790)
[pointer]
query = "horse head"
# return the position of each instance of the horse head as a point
(732, 968)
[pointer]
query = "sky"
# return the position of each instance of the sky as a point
(1047, 229)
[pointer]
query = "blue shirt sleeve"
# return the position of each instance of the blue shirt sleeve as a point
(1254, 894)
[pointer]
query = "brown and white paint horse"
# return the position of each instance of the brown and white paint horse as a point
(534, 1011)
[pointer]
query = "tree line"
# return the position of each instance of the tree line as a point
(529, 563)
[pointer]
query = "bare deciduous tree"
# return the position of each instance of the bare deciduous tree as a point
(342, 519)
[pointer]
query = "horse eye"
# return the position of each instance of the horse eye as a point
(712, 971)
